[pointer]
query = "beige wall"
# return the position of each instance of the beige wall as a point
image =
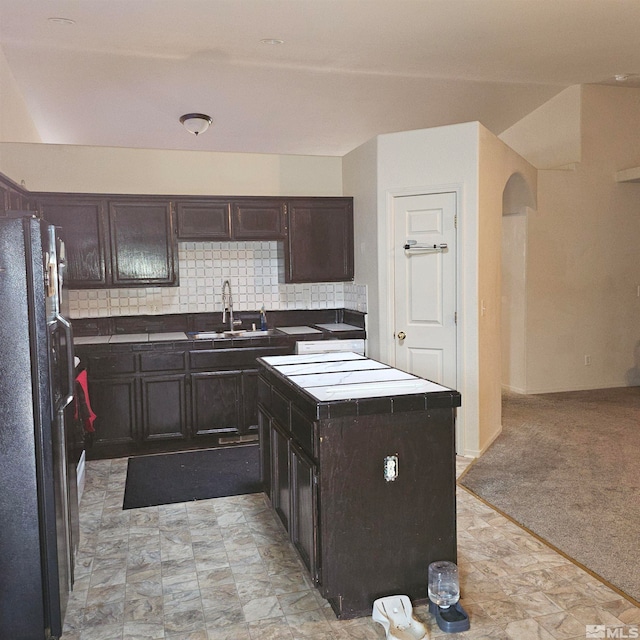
(50, 167)
(583, 269)
(360, 180)
(550, 136)
(497, 164)
(468, 159)
(16, 124)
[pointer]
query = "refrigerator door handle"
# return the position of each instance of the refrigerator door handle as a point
(66, 327)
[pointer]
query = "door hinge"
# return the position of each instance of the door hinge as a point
(455, 221)
(455, 317)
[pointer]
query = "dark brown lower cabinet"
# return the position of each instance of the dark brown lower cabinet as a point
(304, 510)
(290, 480)
(215, 402)
(280, 481)
(115, 402)
(164, 408)
(172, 399)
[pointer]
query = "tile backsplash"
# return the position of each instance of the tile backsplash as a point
(253, 268)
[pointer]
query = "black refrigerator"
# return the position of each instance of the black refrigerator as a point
(38, 496)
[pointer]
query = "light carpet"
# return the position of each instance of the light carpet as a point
(566, 466)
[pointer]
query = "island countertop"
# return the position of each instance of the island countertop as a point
(347, 383)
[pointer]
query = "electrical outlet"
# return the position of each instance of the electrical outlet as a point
(587, 361)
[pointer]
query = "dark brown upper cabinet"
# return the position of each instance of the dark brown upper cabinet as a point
(319, 245)
(13, 197)
(82, 227)
(231, 219)
(259, 220)
(114, 243)
(143, 243)
(206, 219)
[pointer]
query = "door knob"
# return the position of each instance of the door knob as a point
(401, 335)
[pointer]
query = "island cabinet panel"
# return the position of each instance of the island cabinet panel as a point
(82, 228)
(143, 243)
(361, 531)
(404, 524)
(319, 240)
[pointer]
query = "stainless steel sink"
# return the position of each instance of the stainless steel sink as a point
(250, 334)
(207, 335)
(239, 333)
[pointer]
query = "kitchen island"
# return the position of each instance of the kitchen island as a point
(358, 461)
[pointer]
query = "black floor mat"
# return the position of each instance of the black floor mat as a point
(192, 475)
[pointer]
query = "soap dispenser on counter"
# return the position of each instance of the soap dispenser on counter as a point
(263, 319)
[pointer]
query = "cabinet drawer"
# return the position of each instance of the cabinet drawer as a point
(238, 358)
(302, 430)
(162, 361)
(212, 359)
(108, 365)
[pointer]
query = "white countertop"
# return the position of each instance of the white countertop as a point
(348, 376)
(339, 326)
(294, 331)
(131, 337)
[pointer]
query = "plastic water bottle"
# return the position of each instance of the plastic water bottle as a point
(444, 583)
(263, 319)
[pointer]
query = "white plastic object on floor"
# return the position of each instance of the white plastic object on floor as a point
(395, 614)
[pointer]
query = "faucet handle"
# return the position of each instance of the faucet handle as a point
(237, 323)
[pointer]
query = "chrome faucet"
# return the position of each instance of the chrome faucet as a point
(227, 306)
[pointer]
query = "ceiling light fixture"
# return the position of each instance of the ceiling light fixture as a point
(622, 77)
(196, 123)
(272, 41)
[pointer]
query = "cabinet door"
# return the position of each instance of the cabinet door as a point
(207, 219)
(280, 496)
(143, 243)
(215, 402)
(304, 510)
(114, 402)
(164, 408)
(81, 223)
(259, 220)
(12, 199)
(320, 240)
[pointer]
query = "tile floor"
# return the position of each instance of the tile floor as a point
(223, 569)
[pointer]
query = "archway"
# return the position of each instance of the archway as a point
(518, 202)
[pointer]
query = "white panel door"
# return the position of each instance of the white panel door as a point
(425, 286)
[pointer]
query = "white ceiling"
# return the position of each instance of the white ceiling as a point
(348, 70)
